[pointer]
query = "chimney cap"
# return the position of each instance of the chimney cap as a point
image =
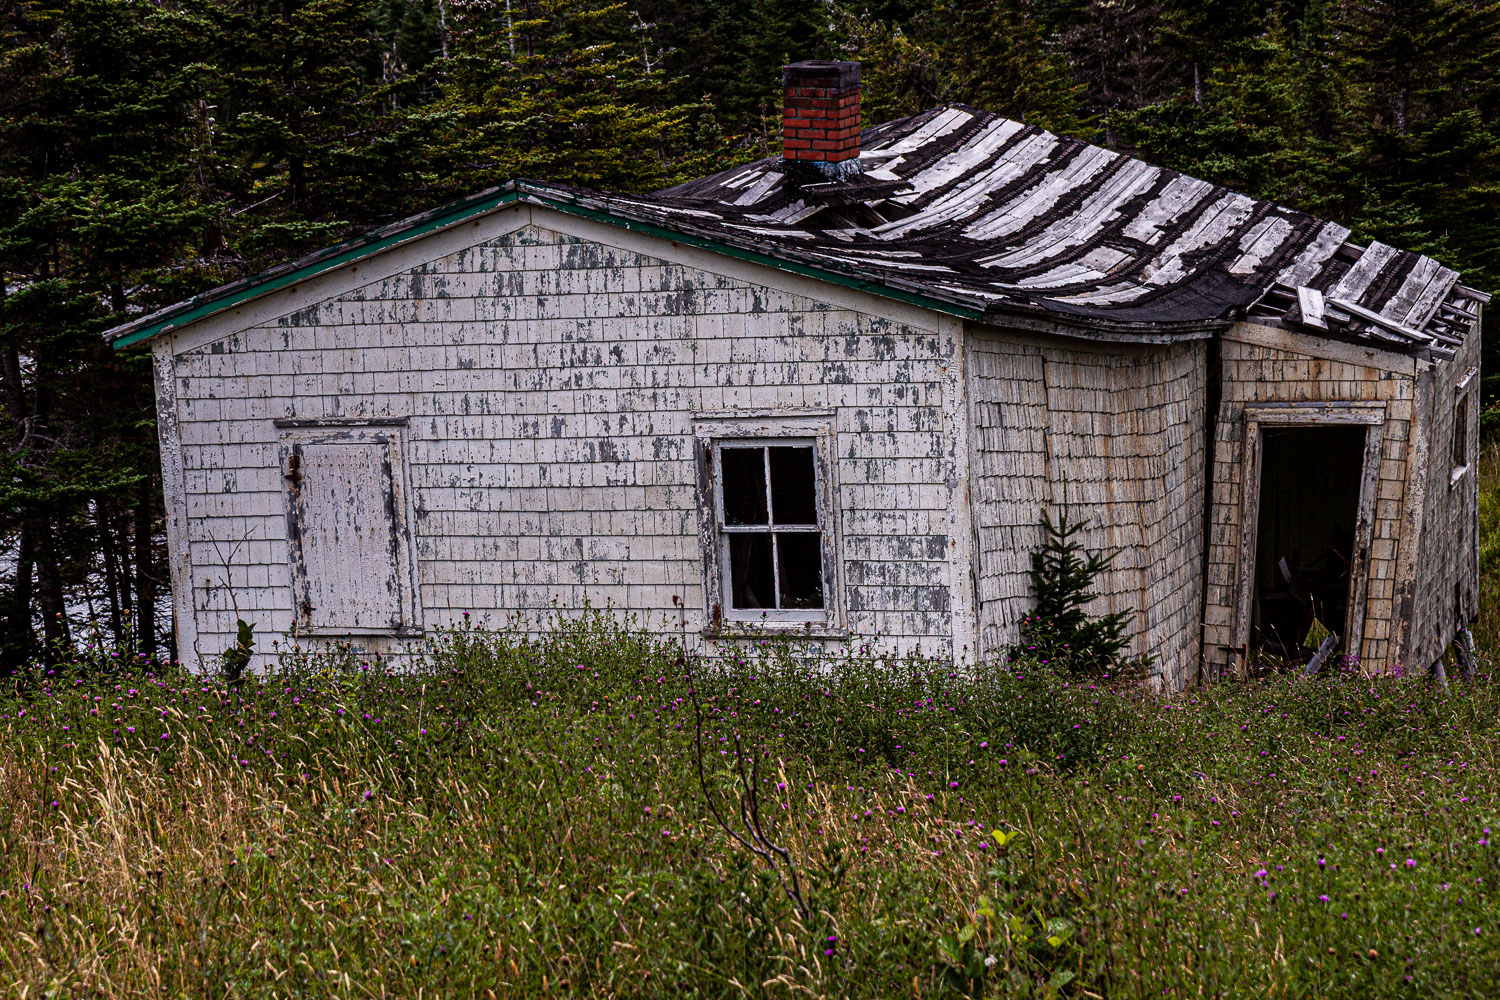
(832, 73)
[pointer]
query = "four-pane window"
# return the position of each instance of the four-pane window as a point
(771, 539)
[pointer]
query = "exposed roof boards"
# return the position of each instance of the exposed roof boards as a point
(968, 212)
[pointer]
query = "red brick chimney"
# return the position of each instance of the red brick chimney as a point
(820, 116)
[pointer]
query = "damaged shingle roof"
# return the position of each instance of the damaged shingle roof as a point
(982, 211)
(960, 209)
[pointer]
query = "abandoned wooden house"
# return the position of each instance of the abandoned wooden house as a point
(829, 395)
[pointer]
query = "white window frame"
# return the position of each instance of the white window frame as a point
(713, 433)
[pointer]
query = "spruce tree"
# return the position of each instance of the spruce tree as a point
(96, 161)
(557, 90)
(1425, 127)
(1059, 632)
(1116, 51)
(998, 55)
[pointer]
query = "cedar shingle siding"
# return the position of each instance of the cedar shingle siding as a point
(549, 386)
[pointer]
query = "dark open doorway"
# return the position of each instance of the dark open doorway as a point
(1305, 539)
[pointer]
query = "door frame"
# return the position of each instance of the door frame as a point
(1369, 415)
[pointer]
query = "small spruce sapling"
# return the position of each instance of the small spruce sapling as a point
(1059, 632)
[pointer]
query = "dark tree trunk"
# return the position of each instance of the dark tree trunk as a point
(14, 390)
(17, 634)
(145, 579)
(49, 587)
(109, 544)
(18, 645)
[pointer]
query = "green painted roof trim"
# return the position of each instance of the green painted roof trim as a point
(230, 295)
(455, 213)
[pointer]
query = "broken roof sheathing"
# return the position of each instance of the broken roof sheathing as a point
(966, 212)
(1007, 217)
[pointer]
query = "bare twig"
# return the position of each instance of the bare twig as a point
(225, 584)
(242, 211)
(754, 839)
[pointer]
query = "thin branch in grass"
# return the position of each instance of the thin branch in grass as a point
(754, 839)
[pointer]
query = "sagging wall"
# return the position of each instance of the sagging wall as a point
(1115, 433)
(549, 378)
(1447, 585)
(1265, 365)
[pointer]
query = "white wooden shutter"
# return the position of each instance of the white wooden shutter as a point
(348, 540)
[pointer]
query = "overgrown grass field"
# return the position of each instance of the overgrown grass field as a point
(536, 817)
(526, 818)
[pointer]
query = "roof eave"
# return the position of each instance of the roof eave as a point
(456, 213)
(1012, 315)
(263, 283)
(1039, 319)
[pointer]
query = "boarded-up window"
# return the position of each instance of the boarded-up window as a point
(348, 539)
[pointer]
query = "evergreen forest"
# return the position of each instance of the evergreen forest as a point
(150, 149)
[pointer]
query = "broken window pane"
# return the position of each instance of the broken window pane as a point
(744, 473)
(752, 584)
(793, 498)
(801, 562)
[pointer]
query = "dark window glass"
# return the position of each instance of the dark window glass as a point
(793, 497)
(1460, 433)
(744, 485)
(801, 557)
(752, 584)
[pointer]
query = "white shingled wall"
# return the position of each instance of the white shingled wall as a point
(1115, 434)
(549, 378)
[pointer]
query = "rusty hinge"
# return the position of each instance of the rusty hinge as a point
(294, 469)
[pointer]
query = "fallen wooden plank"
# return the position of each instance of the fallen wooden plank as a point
(1414, 289)
(1181, 195)
(1357, 280)
(1310, 303)
(1324, 651)
(1078, 227)
(1385, 322)
(1313, 256)
(1261, 242)
(1214, 225)
(978, 151)
(1463, 648)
